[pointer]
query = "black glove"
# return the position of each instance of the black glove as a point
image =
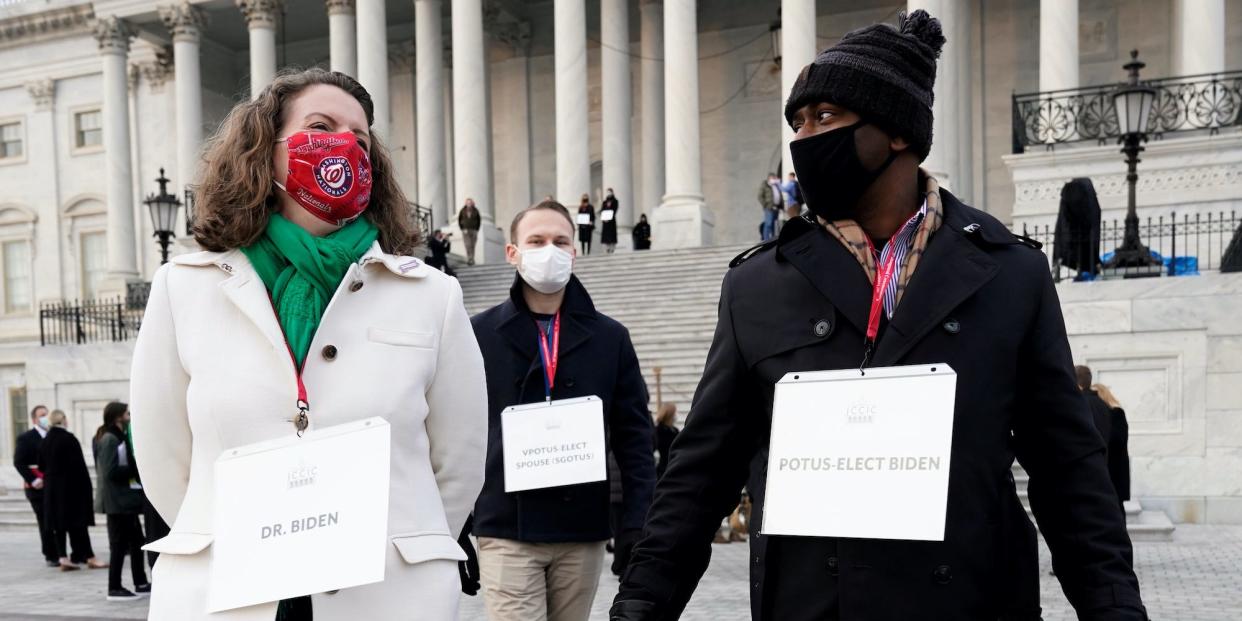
(468, 569)
(623, 545)
(632, 610)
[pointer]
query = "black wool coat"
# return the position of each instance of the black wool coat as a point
(981, 301)
(25, 455)
(68, 501)
(596, 358)
(608, 230)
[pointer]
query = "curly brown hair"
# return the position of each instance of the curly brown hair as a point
(234, 198)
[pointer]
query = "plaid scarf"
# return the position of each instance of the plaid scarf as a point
(926, 221)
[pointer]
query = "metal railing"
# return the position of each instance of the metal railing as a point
(88, 321)
(1186, 246)
(1183, 104)
(422, 218)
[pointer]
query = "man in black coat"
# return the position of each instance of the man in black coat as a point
(1101, 414)
(541, 551)
(25, 458)
(969, 294)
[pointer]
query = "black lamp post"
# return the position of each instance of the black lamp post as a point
(163, 207)
(1133, 102)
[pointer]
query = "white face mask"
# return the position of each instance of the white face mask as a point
(546, 268)
(43, 422)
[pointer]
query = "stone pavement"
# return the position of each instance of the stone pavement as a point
(1195, 577)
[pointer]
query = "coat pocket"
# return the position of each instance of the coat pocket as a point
(419, 547)
(422, 340)
(180, 543)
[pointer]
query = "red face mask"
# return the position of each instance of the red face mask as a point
(329, 175)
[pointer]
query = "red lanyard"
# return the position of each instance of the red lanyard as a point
(883, 277)
(549, 355)
(302, 419)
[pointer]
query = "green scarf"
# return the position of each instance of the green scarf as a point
(302, 272)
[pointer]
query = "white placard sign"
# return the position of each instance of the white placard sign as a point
(584, 218)
(861, 456)
(607, 215)
(553, 444)
(298, 516)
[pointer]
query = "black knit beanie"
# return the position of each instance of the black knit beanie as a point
(883, 74)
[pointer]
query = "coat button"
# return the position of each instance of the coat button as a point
(952, 326)
(569, 382)
(834, 566)
(822, 327)
(356, 286)
(329, 352)
(943, 574)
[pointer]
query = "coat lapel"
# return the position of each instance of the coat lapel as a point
(831, 269)
(247, 292)
(952, 269)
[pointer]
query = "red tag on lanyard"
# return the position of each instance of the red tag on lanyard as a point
(884, 275)
(549, 358)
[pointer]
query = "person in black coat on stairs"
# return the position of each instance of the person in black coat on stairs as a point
(26, 460)
(971, 295)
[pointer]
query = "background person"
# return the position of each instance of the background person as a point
(665, 432)
(439, 247)
(642, 233)
(67, 503)
(119, 497)
(608, 230)
(26, 460)
(770, 201)
(1101, 413)
(1118, 444)
(585, 208)
(214, 366)
(541, 551)
(469, 221)
(793, 196)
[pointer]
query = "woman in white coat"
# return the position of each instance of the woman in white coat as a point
(305, 297)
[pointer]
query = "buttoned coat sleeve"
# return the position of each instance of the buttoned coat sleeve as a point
(157, 403)
(708, 467)
(1071, 495)
(457, 414)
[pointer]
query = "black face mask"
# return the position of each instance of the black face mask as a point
(830, 174)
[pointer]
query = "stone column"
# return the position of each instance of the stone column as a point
(652, 70)
(429, 91)
(942, 161)
(1058, 44)
(617, 107)
(373, 59)
(113, 35)
(472, 125)
(797, 51)
(342, 26)
(186, 21)
(682, 220)
(573, 148)
(261, 22)
(41, 148)
(1200, 36)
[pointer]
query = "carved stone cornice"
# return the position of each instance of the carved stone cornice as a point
(113, 34)
(503, 27)
(54, 22)
(401, 56)
(43, 92)
(341, 7)
(184, 20)
(158, 71)
(259, 13)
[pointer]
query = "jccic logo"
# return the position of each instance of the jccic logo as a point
(860, 413)
(302, 476)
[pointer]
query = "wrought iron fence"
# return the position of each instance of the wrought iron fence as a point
(1186, 246)
(422, 218)
(88, 321)
(1182, 104)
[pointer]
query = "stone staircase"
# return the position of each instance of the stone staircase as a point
(1144, 525)
(667, 299)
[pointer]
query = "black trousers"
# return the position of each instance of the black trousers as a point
(79, 538)
(156, 528)
(48, 542)
(125, 539)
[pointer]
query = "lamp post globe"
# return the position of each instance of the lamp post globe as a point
(1133, 102)
(163, 208)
